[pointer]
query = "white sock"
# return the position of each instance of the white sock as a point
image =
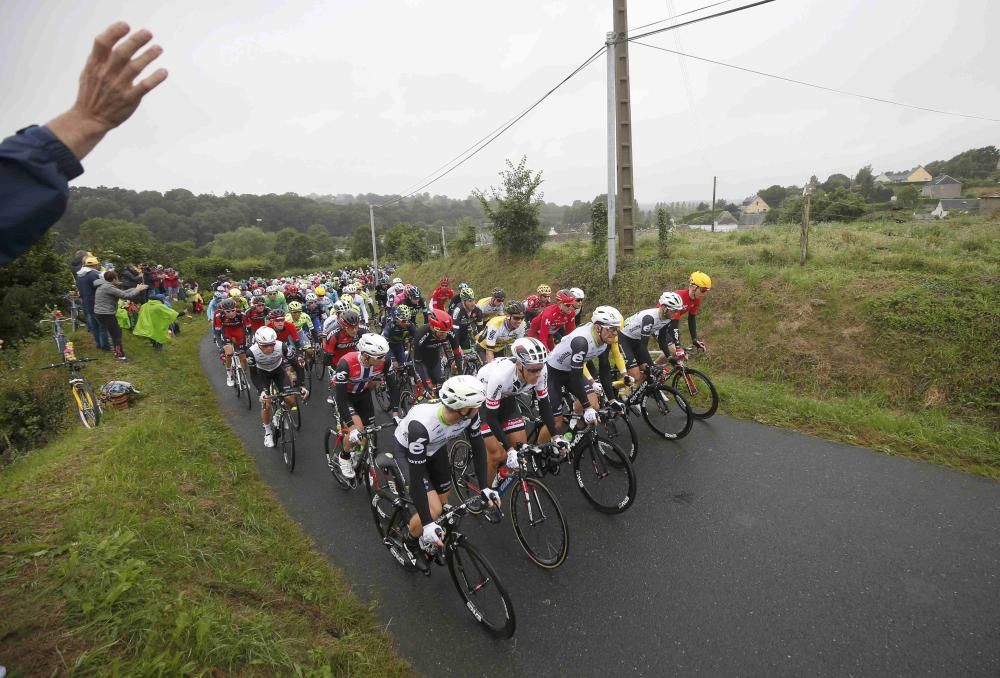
(267, 428)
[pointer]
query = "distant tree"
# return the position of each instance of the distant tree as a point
(36, 279)
(702, 206)
(839, 205)
(244, 243)
(908, 197)
(298, 250)
(361, 242)
(599, 225)
(835, 181)
(413, 247)
(864, 182)
(119, 240)
(513, 210)
(662, 231)
(172, 253)
(320, 237)
(773, 195)
(973, 164)
(466, 240)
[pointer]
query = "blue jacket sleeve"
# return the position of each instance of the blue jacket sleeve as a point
(35, 170)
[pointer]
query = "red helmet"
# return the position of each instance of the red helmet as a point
(440, 320)
(291, 289)
(443, 282)
(532, 303)
(276, 314)
(565, 297)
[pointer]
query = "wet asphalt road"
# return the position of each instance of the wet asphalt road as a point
(750, 551)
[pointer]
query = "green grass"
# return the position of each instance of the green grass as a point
(150, 546)
(902, 320)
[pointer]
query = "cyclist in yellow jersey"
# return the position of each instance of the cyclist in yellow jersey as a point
(502, 331)
(299, 320)
(492, 306)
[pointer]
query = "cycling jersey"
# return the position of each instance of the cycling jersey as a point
(489, 310)
(288, 334)
(691, 307)
(277, 301)
(268, 362)
(231, 326)
(466, 324)
(499, 412)
(497, 335)
(567, 361)
(256, 318)
(303, 325)
(338, 342)
(548, 322)
(393, 291)
(422, 434)
(351, 383)
(441, 296)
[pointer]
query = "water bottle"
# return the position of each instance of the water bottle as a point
(502, 473)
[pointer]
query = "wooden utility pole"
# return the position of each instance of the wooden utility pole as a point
(804, 235)
(444, 248)
(714, 180)
(626, 194)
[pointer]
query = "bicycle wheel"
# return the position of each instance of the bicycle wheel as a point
(243, 386)
(74, 316)
(287, 441)
(604, 474)
(333, 444)
(319, 365)
(87, 406)
(397, 528)
(621, 431)
(666, 412)
(382, 398)
(406, 400)
(699, 392)
(463, 473)
(539, 523)
(295, 411)
(480, 587)
(379, 488)
(523, 403)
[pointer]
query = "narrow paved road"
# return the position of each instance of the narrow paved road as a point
(750, 551)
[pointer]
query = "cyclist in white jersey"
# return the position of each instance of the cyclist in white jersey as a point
(565, 363)
(506, 378)
(268, 363)
(421, 439)
(639, 327)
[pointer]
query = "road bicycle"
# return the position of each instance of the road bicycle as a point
(56, 318)
(88, 407)
(241, 381)
(281, 423)
(699, 391)
(474, 577)
(75, 310)
(535, 513)
(471, 362)
(664, 409)
(362, 461)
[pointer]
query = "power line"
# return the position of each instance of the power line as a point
(671, 18)
(702, 18)
(485, 141)
(809, 84)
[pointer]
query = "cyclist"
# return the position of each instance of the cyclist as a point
(565, 363)
(241, 301)
(290, 339)
(341, 338)
(393, 291)
(256, 317)
(230, 328)
(537, 302)
(428, 342)
(275, 299)
(467, 318)
(555, 318)
(505, 378)
(579, 296)
(501, 331)
(658, 322)
(493, 304)
(354, 378)
(411, 297)
(699, 285)
(300, 321)
(316, 313)
(293, 293)
(422, 439)
(397, 331)
(442, 295)
(269, 365)
(325, 298)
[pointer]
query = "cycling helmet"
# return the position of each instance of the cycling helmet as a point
(235, 292)
(220, 295)
(701, 280)
(514, 308)
(577, 293)
(265, 336)
(608, 316)
(403, 313)
(440, 320)
(350, 318)
(295, 306)
(467, 293)
(498, 293)
(276, 314)
(320, 291)
(443, 282)
(118, 388)
(543, 289)
(311, 297)
(221, 288)
(228, 305)
(532, 303)
(463, 391)
(350, 289)
(340, 306)
(397, 281)
(529, 351)
(565, 297)
(462, 285)
(258, 300)
(243, 287)
(374, 345)
(272, 289)
(413, 292)
(671, 300)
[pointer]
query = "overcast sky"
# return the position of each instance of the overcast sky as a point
(372, 96)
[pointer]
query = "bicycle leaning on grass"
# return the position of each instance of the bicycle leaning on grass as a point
(88, 407)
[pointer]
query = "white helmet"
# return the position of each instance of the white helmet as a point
(671, 300)
(340, 306)
(220, 288)
(397, 281)
(529, 351)
(265, 336)
(311, 297)
(578, 293)
(463, 391)
(607, 316)
(271, 289)
(372, 344)
(351, 289)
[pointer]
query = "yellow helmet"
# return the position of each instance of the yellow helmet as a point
(701, 280)
(235, 292)
(320, 291)
(543, 289)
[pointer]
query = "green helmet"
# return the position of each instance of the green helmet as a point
(403, 312)
(467, 293)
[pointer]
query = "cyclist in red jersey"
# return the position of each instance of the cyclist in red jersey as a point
(256, 317)
(553, 318)
(354, 378)
(229, 325)
(699, 284)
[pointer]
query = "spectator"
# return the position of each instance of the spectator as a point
(131, 277)
(106, 304)
(37, 163)
(171, 283)
(86, 279)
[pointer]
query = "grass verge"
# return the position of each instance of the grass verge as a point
(150, 546)
(887, 337)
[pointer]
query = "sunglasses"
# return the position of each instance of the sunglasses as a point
(518, 318)
(705, 289)
(533, 370)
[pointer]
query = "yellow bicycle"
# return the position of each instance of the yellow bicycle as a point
(87, 404)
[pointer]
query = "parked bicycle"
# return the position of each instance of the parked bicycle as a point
(88, 407)
(56, 319)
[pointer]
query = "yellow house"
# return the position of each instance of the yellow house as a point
(755, 205)
(918, 175)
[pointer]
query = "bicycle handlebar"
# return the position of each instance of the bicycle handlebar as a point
(68, 363)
